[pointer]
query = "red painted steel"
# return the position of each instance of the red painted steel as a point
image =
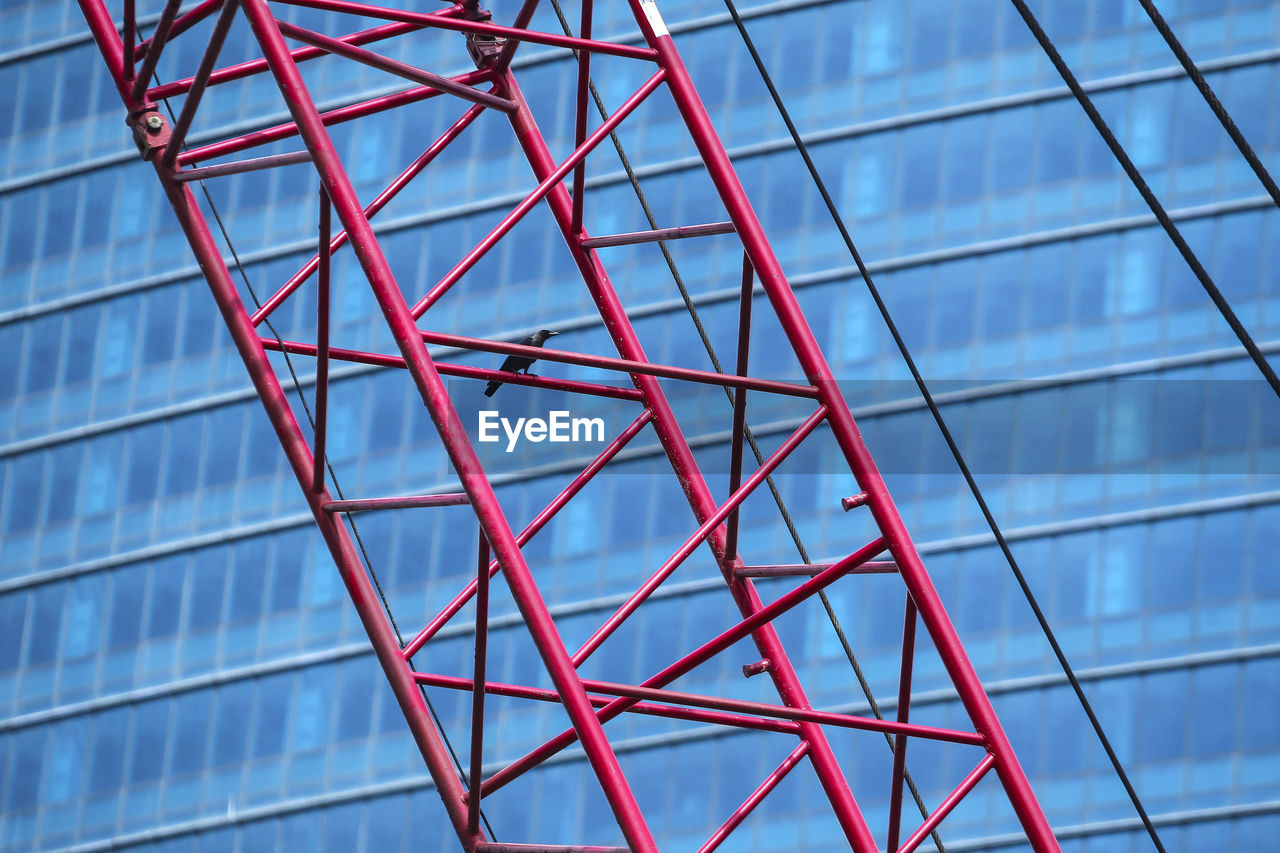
(588, 703)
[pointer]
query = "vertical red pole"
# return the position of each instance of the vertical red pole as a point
(477, 685)
(381, 636)
(580, 121)
(739, 402)
(844, 430)
(685, 467)
(322, 345)
(453, 436)
(904, 712)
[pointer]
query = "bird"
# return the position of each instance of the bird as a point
(520, 363)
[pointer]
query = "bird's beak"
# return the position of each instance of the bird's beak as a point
(553, 334)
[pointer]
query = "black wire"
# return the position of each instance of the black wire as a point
(1211, 98)
(941, 422)
(1122, 157)
(333, 474)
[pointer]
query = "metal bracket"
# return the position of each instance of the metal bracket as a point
(151, 132)
(484, 48)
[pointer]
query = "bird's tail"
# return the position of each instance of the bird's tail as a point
(493, 386)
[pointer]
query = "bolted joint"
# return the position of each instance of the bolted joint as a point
(752, 669)
(151, 132)
(484, 48)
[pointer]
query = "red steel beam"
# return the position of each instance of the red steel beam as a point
(387, 293)
(545, 185)
(945, 807)
(651, 709)
(249, 68)
(684, 465)
(296, 449)
(460, 370)
(494, 46)
(636, 367)
(477, 27)
(220, 29)
(903, 715)
(536, 524)
(844, 430)
(392, 190)
(691, 544)
(331, 117)
(477, 685)
(700, 655)
(338, 47)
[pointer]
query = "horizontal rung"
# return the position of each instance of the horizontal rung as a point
(875, 567)
(237, 167)
(452, 499)
(677, 233)
(501, 847)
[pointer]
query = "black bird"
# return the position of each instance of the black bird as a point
(520, 363)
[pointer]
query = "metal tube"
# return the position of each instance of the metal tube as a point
(294, 444)
(484, 502)
(691, 544)
(481, 27)
(338, 47)
(651, 709)
(531, 529)
(250, 67)
(506, 847)
(210, 58)
(846, 434)
(945, 807)
(158, 39)
(332, 117)
(393, 189)
(756, 797)
(580, 120)
(398, 502)
(461, 370)
(791, 570)
(685, 467)
(826, 718)
(521, 22)
(904, 709)
(627, 365)
(322, 343)
(182, 23)
(477, 685)
(130, 36)
(738, 431)
(679, 232)
(540, 192)
(698, 656)
(238, 167)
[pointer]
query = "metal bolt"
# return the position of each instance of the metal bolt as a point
(853, 502)
(154, 123)
(756, 668)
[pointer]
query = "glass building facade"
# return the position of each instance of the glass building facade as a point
(180, 668)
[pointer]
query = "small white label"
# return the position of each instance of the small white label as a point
(655, 17)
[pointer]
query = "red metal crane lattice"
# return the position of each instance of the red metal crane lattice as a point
(589, 704)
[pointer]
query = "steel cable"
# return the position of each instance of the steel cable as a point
(333, 475)
(1140, 183)
(945, 431)
(1211, 98)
